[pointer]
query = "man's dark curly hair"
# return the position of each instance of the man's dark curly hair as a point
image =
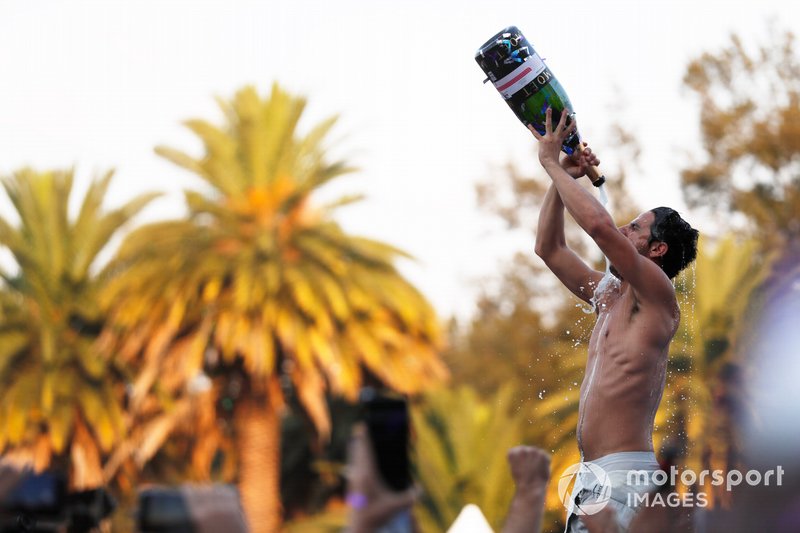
(680, 238)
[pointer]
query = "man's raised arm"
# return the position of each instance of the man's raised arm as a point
(552, 247)
(644, 275)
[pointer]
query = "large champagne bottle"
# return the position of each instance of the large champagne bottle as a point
(528, 86)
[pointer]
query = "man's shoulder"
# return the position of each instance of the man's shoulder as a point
(659, 291)
(664, 309)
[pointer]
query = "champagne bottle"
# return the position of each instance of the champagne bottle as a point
(528, 86)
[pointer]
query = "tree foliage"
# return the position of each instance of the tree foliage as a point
(61, 401)
(750, 128)
(263, 292)
(460, 457)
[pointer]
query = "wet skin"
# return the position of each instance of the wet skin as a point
(627, 360)
(625, 374)
(636, 321)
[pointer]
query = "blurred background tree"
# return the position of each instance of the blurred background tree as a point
(260, 297)
(750, 126)
(61, 402)
(748, 171)
(460, 445)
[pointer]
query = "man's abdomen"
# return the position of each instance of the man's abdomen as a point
(617, 413)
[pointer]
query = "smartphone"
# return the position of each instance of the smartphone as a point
(387, 421)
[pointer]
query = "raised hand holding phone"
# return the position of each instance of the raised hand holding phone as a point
(380, 492)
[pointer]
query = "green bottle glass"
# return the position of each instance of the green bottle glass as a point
(528, 86)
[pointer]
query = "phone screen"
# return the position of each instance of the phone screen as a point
(388, 425)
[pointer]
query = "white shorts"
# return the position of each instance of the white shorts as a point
(588, 493)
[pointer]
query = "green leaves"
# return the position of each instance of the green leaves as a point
(51, 374)
(460, 456)
(269, 284)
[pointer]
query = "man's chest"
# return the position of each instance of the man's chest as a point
(617, 320)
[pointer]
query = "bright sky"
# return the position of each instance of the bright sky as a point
(98, 84)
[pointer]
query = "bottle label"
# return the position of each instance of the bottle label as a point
(531, 69)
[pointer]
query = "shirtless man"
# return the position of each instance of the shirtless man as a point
(637, 316)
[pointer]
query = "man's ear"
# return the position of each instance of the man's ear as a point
(658, 248)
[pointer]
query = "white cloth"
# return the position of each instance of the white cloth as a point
(589, 492)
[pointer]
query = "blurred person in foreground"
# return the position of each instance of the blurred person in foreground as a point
(530, 468)
(770, 434)
(373, 506)
(637, 316)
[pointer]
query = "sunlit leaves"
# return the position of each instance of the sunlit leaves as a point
(460, 452)
(60, 399)
(264, 281)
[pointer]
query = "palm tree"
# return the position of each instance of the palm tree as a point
(264, 293)
(460, 454)
(60, 401)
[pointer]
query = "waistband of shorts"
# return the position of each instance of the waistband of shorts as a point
(627, 461)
